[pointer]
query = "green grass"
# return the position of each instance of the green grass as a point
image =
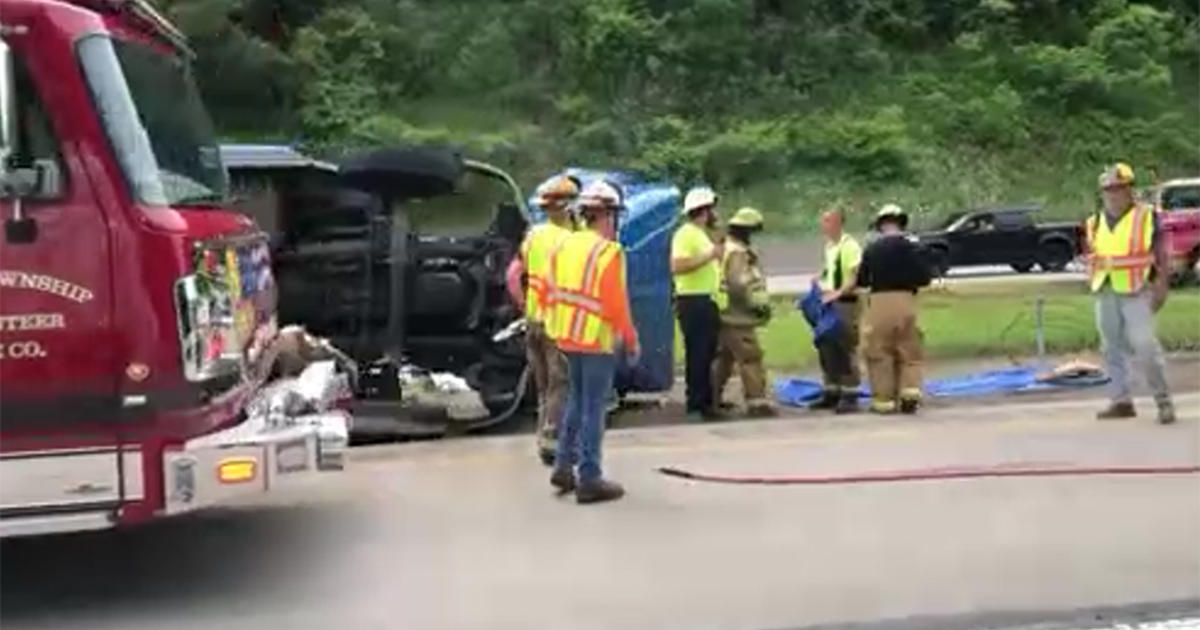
(988, 320)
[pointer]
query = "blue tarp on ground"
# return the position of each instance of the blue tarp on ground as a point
(798, 391)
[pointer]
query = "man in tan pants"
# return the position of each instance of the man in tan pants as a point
(532, 262)
(744, 306)
(893, 269)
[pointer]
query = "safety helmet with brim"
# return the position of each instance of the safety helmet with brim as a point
(699, 198)
(891, 213)
(557, 188)
(1119, 175)
(747, 218)
(599, 195)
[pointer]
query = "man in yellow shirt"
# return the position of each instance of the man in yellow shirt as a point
(839, 357)
(695, 264)
(1129, 270)
(532, 261)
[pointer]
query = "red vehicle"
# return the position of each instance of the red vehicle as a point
(137, 313)
(1178, 205)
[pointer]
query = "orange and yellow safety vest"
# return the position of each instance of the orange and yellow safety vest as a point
(535, 251)
(587, 303)
(1121, 255)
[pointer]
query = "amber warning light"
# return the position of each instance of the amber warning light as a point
(237, 469)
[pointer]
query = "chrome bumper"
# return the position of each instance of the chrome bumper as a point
(271, 450)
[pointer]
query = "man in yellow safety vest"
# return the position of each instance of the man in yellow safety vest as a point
(532, 262)
(590, 321)
(839, 356)
(1128, 269)
(744, 306)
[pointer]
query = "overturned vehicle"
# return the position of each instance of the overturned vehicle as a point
(397, 256)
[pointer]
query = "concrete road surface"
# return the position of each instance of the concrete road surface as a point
(466, 534)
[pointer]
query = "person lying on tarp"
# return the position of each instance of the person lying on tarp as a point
(828, 331)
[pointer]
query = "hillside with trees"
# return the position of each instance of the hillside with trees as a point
(792, 105)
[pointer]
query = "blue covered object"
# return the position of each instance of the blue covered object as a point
(823, 318)
(645, 228)
(799, 392)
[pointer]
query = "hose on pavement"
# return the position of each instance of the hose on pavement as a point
(931, 474)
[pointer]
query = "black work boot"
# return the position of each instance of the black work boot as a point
(848, 403)
(563, 479)
(909, 405)
(1117, 411)
(1166, 412)
(829, 400)
(598, 491)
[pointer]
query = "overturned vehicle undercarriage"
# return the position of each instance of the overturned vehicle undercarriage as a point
(398, 258)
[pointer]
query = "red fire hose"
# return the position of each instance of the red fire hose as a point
(927, 474)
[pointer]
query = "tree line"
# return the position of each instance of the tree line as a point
(793, 105)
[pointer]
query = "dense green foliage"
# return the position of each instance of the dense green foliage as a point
(793, 105)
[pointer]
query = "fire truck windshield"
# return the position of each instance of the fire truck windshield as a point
(158, 127)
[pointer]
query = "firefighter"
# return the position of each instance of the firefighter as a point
(590, 321)
(744, 305)
(839, 354)
(695, 265)
(1129, 272)
(893, 270)
(545, 360)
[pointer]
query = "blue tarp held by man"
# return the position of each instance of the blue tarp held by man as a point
(822, 317)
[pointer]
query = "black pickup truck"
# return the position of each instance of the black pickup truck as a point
(1002, 236)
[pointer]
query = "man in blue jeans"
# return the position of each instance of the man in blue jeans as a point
(589, 319)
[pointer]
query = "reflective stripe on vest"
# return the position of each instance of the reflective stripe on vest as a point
(1121, 255)
(575, 309)
(541, 241)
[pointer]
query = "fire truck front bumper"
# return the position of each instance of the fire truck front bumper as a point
(273, 450)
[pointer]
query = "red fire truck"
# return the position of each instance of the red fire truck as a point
(138, 335)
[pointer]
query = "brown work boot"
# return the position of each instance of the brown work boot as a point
(1166, 412)
(598, 491)
(1117, 411)
(563, 479)
(909, 405)
(760, 410)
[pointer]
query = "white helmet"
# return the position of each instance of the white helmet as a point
(600, 194)
(699, 197)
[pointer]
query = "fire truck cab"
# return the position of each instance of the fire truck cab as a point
(138, 324)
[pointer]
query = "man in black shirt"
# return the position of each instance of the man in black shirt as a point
(893, 269)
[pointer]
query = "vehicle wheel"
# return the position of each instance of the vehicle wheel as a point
(1054, 256)
(1024, 267)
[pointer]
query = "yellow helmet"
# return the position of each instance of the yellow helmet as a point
(746, 217)
(1117, 175)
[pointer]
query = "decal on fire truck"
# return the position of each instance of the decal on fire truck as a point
(13, 279)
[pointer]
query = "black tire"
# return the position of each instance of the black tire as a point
(1024, 267)
(1054, 256)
